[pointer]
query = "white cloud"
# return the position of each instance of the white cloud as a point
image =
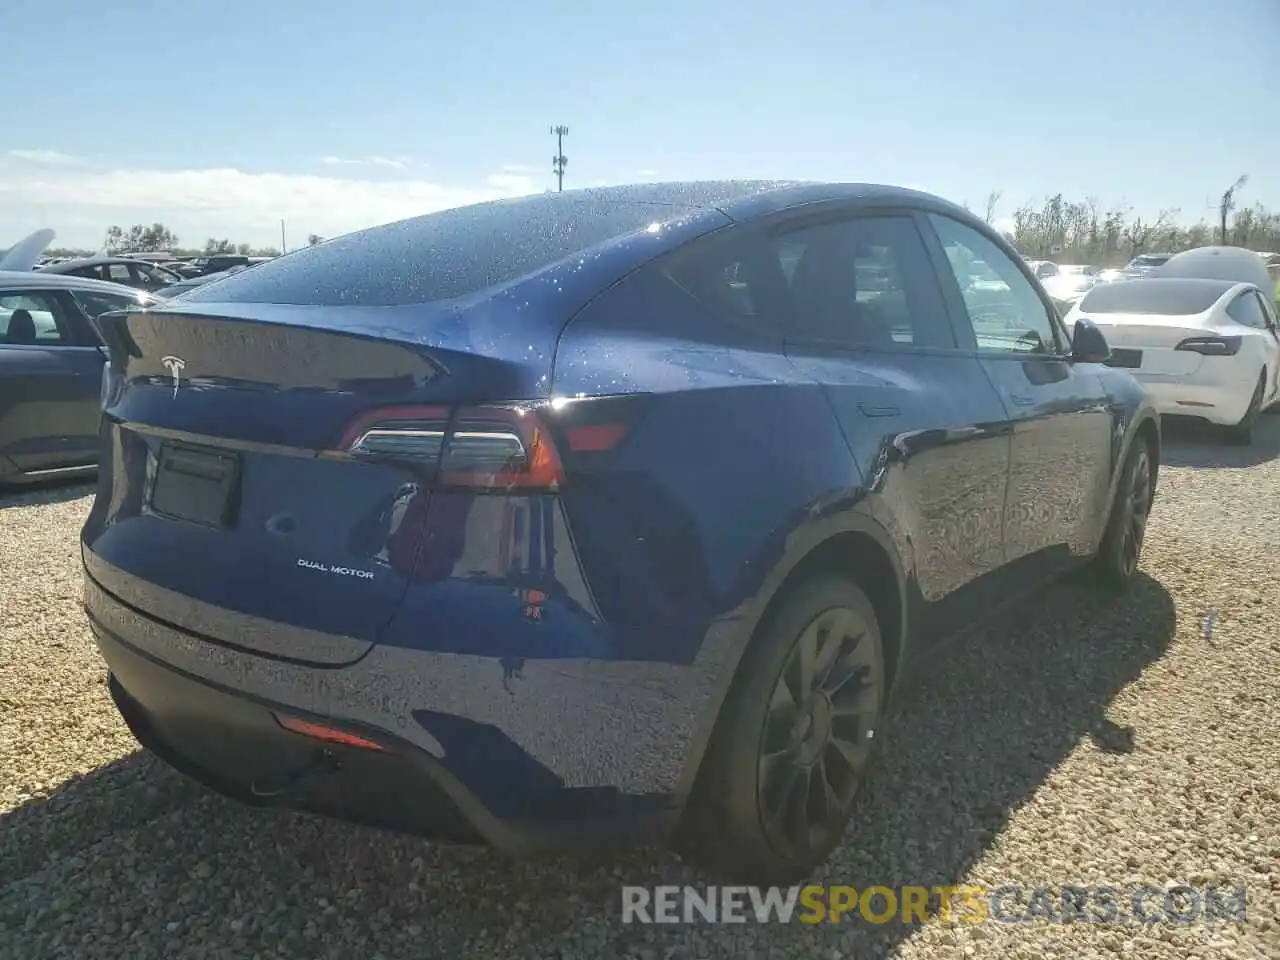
(646, 173)
(516, 168)
(510, 183)
(395, 163)
(81, 202)
(44, 157)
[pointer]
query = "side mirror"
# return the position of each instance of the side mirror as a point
(1088, 345)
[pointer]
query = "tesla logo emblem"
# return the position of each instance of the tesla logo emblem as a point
(175, 366)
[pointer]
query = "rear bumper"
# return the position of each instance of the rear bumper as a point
(614, 774)
(1219, 403)
(235, 746)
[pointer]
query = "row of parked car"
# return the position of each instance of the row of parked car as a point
(162, 278)
(1068, 282)
(1197, 329)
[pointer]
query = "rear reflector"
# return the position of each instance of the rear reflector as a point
(318, 731)
(595, 439)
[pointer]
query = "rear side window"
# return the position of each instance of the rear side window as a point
(32, 320)
(1247, 311)
(1162, 298)
(863, 282)
(732, 275)
(439, 256)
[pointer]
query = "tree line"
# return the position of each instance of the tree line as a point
(1087, 231)
(144, 238)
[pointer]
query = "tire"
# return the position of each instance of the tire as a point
(1116, 564)
(1242, 432)
(750, 818)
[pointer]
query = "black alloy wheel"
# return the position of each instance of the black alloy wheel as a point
(818, 732)
(1137, 510)
(794, 738)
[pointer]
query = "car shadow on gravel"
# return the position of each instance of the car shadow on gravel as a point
(1188, 443)
(40, 494)
(182, 870)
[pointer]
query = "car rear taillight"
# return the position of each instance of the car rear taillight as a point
(498, 446)
(413, 434)
(1212, 346)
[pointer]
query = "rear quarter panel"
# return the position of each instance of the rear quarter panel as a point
(737, 449)
(1132, 413)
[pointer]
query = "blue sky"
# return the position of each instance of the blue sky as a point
(221, 118)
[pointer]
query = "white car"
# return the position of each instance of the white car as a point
(1203, 348)
(1217, 263)
(1043, 269)
(1071, 282)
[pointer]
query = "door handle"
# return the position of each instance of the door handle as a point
(1022, 400)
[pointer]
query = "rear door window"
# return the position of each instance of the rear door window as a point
(863, 282)
(150, 277)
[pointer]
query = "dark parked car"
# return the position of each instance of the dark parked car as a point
(1145, 264)
(219, 262)
(129, 272)
(51, 371)
(182, 286)
(592, 516)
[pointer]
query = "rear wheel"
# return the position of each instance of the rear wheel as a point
(1117, 561)
(794, 739)
(1242, 432)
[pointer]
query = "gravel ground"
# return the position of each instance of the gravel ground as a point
(1074, 740)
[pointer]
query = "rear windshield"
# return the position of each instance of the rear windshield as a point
(439, 256)
(1173, 299)
(1150, 260)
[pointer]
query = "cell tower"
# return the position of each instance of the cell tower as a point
(559, 160)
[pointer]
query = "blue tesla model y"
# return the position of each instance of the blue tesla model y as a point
(593, 517)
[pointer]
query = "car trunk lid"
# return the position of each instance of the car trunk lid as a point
(1155, 337)
(224, 507)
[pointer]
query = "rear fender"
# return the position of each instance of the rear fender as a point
(1128, 425)
(818, 526)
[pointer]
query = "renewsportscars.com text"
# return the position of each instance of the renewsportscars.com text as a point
(920, 904)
